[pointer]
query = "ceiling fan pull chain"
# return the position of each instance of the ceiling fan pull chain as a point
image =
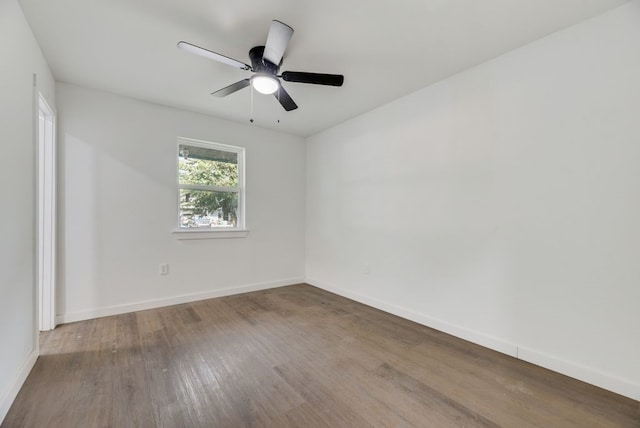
(251, 90)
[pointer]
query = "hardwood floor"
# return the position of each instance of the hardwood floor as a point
(292, 356)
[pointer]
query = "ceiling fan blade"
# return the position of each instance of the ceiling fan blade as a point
(285, 99)
(314, 78)
(232, 88)
(213, 55)
(277, 42)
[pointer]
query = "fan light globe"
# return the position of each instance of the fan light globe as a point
(265, 84)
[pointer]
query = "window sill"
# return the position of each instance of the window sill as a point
(211, 234)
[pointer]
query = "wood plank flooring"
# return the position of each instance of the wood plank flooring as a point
(292, 357)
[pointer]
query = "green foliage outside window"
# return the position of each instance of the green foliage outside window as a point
(203, 207)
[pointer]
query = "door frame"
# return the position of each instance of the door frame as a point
(46, 215)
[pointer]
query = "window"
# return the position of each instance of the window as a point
(210, 186)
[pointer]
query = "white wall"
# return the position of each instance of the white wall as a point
(20, 58)
(501, 205)
(118, 208)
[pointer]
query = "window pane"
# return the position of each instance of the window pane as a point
(206, 209)
(209, 167)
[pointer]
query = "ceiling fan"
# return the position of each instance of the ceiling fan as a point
(265, 63)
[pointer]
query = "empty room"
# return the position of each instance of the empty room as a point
(320, 214)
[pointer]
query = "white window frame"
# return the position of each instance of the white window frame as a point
(240, 230)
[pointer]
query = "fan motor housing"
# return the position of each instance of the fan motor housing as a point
(259, 64)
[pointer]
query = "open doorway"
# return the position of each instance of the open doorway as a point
(46, 215)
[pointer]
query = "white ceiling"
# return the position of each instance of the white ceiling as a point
(385, 49)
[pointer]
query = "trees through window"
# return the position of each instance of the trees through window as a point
(211, 185)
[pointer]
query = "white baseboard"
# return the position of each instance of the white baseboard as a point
(585, 374)
(10, 393)
(461, 332)
(580, 372)
(168, 301)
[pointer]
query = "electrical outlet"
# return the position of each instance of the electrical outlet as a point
(367, 268)
(163, 269)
